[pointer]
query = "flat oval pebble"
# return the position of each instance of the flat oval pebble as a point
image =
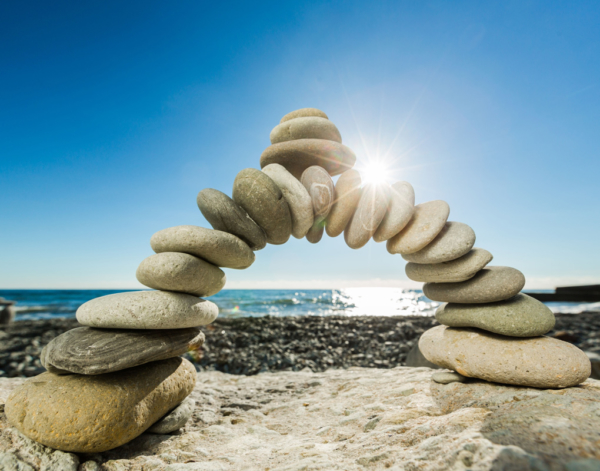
(319, 186)
(347, 196)
(297, 156)
(262, 199)
(147, 310)
(369, 213)
(217, 247)
(92, 414)
(461, 269)
(296, 196)
(399, 213)
(175, 419)
(181, 272)
(447, 377)
(538, 362)
(455, 240)
(90, 351)
(305, 128)
(303, 113)
(489, 285)
(226, 215)
(427, 222)
(315, 234)
(519, 316)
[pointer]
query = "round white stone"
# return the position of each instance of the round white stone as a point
(147, 310)
(455, 240)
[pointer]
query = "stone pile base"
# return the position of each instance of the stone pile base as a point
(354, 419)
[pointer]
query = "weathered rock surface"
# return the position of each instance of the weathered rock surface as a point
(461, 269)
(217, 247)
(427, 222)
(147, 310)
(347, 196)
(455, 240)
(358, 419)
(90, 351)
(304, 113)
(319, 186)
(297, 156)
(399, 213)
(181, 272)
(519, 316)
(175, 419)
(370, 212)
(262, 199)
(91, 414)
(489, 285)
(226, 215)
(296, 196)
(540, 362)
(305, 128)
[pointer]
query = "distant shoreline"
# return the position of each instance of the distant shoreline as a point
(253, 345)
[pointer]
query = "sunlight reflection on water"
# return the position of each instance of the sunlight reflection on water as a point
(348, 301)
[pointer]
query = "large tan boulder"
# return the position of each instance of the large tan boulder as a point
(91, 414)
(539, 362)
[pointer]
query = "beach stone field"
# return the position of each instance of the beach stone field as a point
(249, 346)
(484, 387)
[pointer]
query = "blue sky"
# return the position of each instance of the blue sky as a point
(113, 115)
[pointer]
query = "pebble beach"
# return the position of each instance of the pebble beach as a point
(248, 346)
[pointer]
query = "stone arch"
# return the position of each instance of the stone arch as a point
(132, 341)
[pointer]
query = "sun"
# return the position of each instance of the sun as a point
(374, 172)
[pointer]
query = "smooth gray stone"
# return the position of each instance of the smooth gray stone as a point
(399, 212)
(51, 368)
(371, 210)
(309, 127)
(262, 199)
(153, 310)
(315, 234)
(416, 359)
(454, 241)
(296, 156)
(175, 419)
(90, 351)
(519, 316)
(217, 247)
(461, 269)
(427, 222)
(182, 273)
(488, 286)
(303, 113)
(595, 361)
(319, 186)
(296, 196)
(347, 195)
(226, 215)
(447, 377)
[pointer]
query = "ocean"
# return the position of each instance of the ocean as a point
(47, 304)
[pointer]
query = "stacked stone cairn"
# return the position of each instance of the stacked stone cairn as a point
(121, 374)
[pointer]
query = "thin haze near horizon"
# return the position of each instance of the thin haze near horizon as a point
(113, 115)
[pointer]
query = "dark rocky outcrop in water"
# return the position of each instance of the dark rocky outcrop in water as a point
(251, 345)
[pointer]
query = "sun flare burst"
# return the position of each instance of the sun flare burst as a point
(375, 171)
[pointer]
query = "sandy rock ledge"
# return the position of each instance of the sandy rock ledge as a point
(355, 419)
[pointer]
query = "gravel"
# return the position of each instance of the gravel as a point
(248, 346)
